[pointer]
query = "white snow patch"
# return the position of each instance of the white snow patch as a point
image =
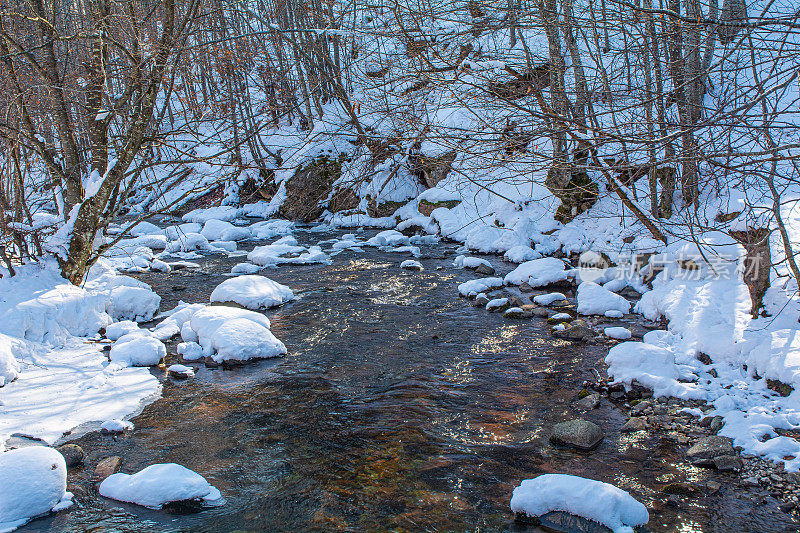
(593, 299)
(33, 481)
(252, 292)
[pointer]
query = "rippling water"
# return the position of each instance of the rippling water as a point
(399, 407)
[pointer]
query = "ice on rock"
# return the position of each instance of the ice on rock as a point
(118, 329)
(587, 498)
(538, 272)
(229, 334)
(617, 333)
(158, 485)
(593, 299)
(135, 349)
(220, 230)
(33, 481)
(473, 287)
(252, 292)
(115, 425)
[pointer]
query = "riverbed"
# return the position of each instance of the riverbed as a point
(399, 406)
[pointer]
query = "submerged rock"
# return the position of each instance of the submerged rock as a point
(709, 448)
(580, 434)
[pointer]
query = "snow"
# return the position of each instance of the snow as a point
(617, 333)
(463, 261)
(201, 216)
(245, 268)
(538, 272)
(613, 313)
(594, 299)
(252, 292)
(115, 425)
(220, 230)
(268, 229)
(595, 500)
(652, 366)
(388, 237)
(410, 264)
(473, 287)
(157, 485)
(286, 250)
(561, 316)
(549, 298)
(9, 367)
(230, 334)
(33, 482)
(496, 303)
(181, 369)
(521, 253)
(132, 303)
(118, 329)
(137, 350)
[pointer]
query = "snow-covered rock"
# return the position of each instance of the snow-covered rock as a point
(286, 250)
(180, 371)
(229, 334)
(252, 292)
(652, 366)
(538, 272)
(138, 303)
(474, 287)
(201, 216)
(118, 329)
(617, 333)
(593, 299)
(220, 230)
(595, 500)
(411, 264)
(33, 481)
(159, 484)
(389, 237)
(463, 261)
(136, 349)
(549, 298)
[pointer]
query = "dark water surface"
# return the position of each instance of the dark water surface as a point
(399, 407)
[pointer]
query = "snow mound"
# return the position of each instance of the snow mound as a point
(135, 349)
(118, 329)
(133, 303)
(593, 299)
(252, 292)
(389, 237)
(778, 357)
(286, 250)
(229, 334)
(33, 481)
(521, 253)
(115, 425)
(538, 272)
(652, 366)
(475, 286)
(268, 229)
(159, 484)
(220, 230)
(595, 500)
(463, 261)
(201, 216)
(9, 367)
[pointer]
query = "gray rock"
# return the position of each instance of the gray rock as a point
(73, 454)
(728, 463)
(592, 401)
(575, 333)
(716, 424)
(540, 312)
(486, 270)
(525, 288)
(637, 423)
(708, 448)
(580, 434)
(481, 301)
(639, 408)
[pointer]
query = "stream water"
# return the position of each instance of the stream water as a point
(399, 407)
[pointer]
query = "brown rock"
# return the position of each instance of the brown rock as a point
(106, 467)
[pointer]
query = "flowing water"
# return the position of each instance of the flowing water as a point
(399, 407)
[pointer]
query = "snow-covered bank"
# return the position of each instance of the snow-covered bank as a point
(62, 379)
